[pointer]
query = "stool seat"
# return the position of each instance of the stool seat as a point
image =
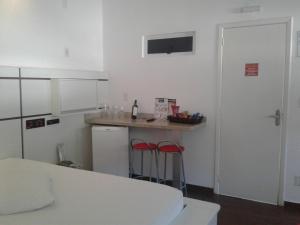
(171, 148)
(144, 146)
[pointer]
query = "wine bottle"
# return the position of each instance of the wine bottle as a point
(134, 111)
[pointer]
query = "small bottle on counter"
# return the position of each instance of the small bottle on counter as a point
(134, 111)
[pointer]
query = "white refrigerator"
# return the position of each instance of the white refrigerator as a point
(110, 150)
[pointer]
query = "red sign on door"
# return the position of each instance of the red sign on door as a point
(251, 69)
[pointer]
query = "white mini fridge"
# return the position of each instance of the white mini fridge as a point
(110, 150)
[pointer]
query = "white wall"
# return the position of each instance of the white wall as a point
(191, 79)
(36, 33)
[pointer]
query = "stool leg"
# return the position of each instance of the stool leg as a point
(157, 166)
(165, 170)
(142, 163)
(151, 159)
(131, 163)
(183, 173)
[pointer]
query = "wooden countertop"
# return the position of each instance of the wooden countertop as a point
(126, 121)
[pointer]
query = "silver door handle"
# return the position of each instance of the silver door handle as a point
(277, 117)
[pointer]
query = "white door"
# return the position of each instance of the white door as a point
(252, 90)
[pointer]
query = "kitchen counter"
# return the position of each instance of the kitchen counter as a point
(126, 121)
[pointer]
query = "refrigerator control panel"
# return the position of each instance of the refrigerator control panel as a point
(35, 123)
(52, 122)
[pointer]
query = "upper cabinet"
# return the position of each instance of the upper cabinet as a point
(36, 97)
(6, 71)
(73, 95)
(9, 98)
(60, 91)
(62, 74)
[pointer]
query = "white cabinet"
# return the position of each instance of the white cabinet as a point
(73, 95)
(9, 98)
(110, 150)
(10, 129)
(10, 139)
(36, 96)
(40, 143)
(6, 71)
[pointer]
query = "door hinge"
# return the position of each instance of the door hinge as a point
(222, 42)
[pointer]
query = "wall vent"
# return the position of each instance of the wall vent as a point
(167, 44)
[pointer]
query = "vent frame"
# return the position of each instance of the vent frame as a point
(147, 38)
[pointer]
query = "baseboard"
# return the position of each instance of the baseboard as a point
(200, 188)
(192, 187)
(292, 205)
(206, 191)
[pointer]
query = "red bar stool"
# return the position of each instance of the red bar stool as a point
(141, 146)
(168, 147)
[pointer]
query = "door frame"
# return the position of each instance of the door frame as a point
(288, 21)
